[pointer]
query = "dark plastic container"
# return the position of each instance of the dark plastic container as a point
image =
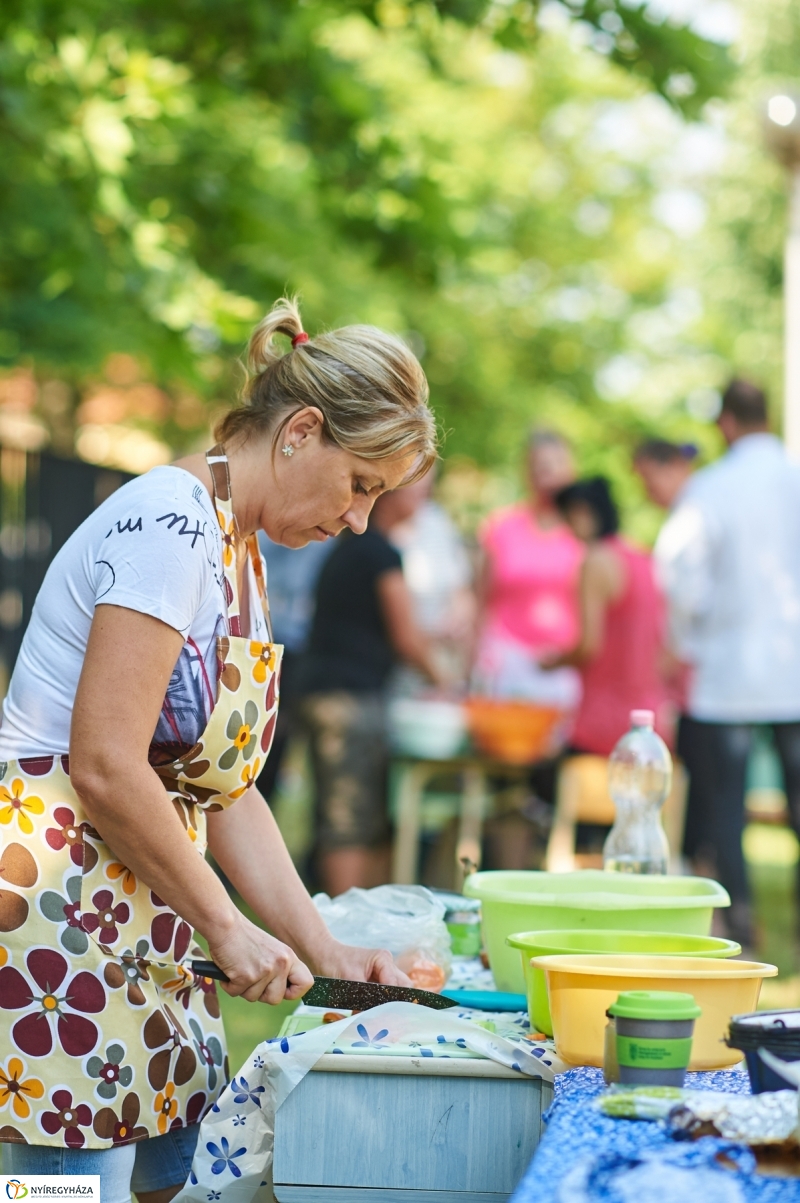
(776, 1031)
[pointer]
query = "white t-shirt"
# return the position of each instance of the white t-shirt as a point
(153, 546)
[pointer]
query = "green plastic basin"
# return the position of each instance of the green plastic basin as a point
(515, 901)
(639, 943)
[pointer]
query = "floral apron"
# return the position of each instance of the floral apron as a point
(106, 1035)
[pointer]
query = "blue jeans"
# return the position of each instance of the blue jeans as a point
(152, 1164)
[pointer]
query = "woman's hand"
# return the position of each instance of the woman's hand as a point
(260, 968)
(360, 965)
(247, 845)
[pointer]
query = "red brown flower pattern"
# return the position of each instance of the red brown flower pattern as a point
(186, 983)
(70, 833)
(67, 1118)
(105, 919)
(120, 1129)
(164, 1034)
(168, 932)
(49, 1010)
(17, 868)
(129, 970)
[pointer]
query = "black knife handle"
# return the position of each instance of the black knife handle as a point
(209, 969)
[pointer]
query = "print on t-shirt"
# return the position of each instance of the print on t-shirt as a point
(192, 688)
(189, 700)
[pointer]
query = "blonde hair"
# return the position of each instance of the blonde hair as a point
(367, 384)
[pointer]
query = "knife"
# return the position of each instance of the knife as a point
(338, 993)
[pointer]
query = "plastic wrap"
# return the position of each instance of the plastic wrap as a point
(406, 920)
(761, 1119)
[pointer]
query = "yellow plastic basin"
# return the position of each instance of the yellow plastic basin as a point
(582, 988)
(594, 943)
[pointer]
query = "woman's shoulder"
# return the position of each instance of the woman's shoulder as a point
(504, 521)
(605, 566)
(159, 487)
(165, 517)
(164, 504)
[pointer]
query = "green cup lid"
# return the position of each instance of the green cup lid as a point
(654, 1004)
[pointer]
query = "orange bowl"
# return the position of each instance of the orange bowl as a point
(514, 732)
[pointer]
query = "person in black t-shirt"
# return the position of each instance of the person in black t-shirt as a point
(363, 625)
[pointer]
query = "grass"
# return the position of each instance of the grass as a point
(772, 858)
(247, 1024)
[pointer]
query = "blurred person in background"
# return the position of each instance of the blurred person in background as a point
(527, 610)
(292, 575)
(665, 469)
(363, 625)
(621, 638)
(529, 584)
(729, 559)
(438, 573)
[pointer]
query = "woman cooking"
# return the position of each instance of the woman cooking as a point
(139, 714)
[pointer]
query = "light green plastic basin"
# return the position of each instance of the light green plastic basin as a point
(639, 943)
(514, 901)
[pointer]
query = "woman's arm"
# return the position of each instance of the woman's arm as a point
(405, 636)
(127, 666)
(601, 582)
(249, 848)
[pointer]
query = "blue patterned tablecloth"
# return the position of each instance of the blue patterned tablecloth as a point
(587, 1157)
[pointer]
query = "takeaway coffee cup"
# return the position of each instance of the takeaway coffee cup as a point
(654, 1036)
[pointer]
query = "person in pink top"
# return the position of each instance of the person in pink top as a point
(620, 646)
(529, 589)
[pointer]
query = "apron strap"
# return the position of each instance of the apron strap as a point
(234, 547)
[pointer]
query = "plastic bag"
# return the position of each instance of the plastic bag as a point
(406, 920)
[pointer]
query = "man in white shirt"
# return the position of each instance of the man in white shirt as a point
(729, 562)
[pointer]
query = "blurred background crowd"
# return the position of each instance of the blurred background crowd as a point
(555, 612)
(569, 211)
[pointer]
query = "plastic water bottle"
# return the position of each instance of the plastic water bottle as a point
(639, 781)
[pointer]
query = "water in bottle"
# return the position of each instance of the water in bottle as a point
(639, 781)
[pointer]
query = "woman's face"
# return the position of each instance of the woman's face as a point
(583, 522)
(550, 468)
(322, 488)
(663, 482)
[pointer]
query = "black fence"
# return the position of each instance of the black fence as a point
(43, 499)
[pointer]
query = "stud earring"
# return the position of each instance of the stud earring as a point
(287, 449)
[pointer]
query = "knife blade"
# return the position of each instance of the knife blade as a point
(338, 993)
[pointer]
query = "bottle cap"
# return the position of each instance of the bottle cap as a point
(654, 1004)
(642, 718)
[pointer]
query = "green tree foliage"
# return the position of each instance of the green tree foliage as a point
(737, 263)
(446, 169)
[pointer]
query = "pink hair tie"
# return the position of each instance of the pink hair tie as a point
(302, 337)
